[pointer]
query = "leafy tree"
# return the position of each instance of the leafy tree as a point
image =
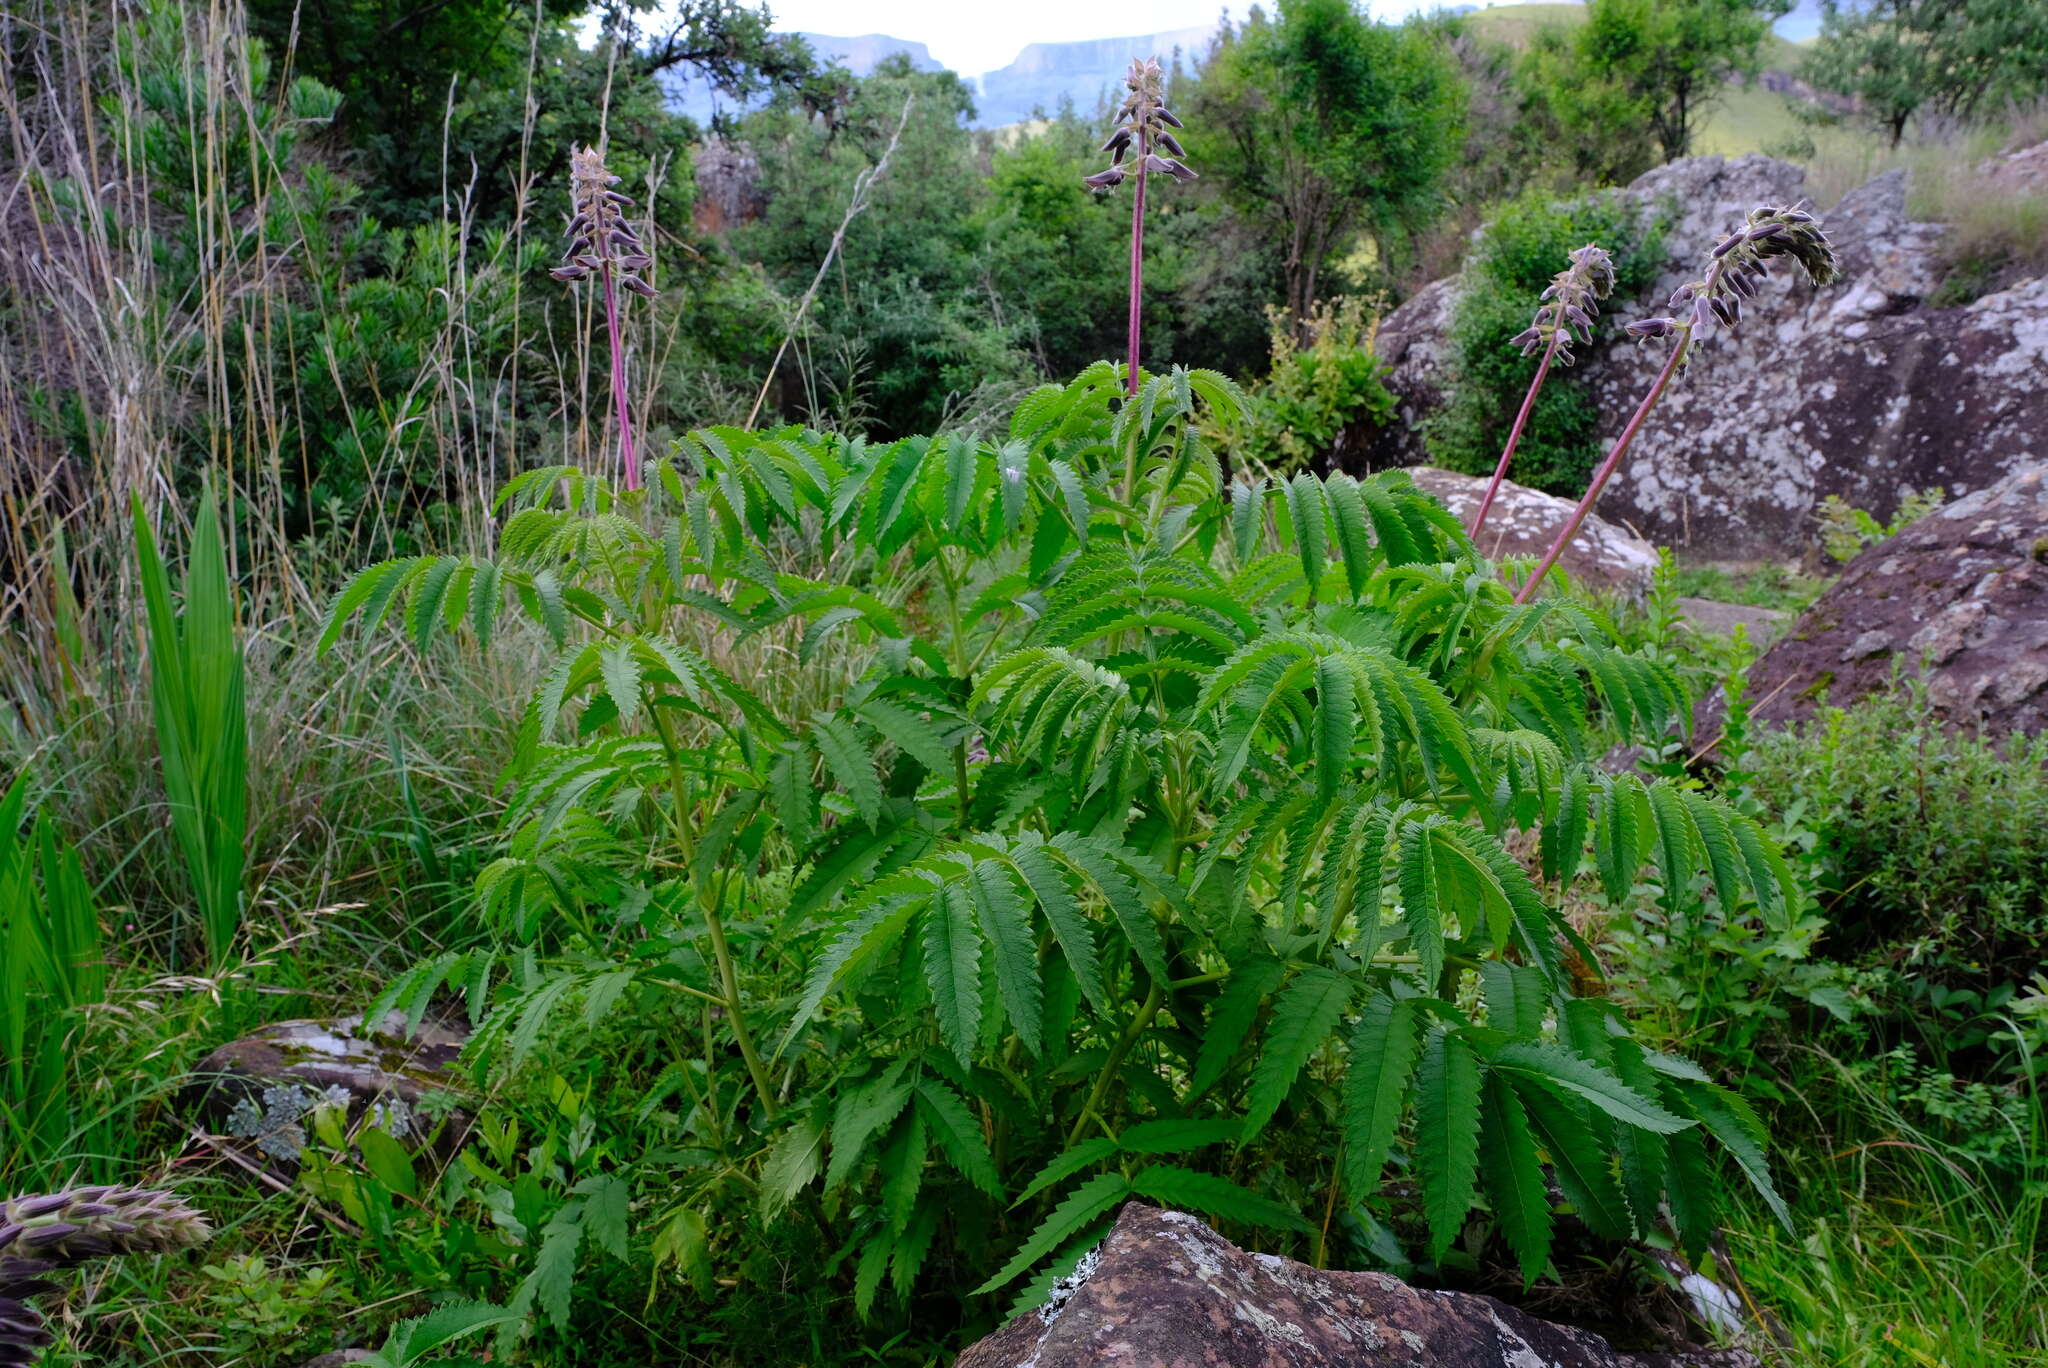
(434, 95)
(1318, 123)
(909, 325)
(1638, 73)
(1900, 58)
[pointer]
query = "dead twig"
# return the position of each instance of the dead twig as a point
(862, 184)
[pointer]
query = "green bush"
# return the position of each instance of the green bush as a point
(1322, 401)
(926, 847)
(1932, 857)
(1519, 250)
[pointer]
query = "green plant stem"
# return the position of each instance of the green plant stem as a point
(1607, 468)
(714, 924)
(960, 783)
(728, 982)
(1155, 996)
(1144, 149)
(1515, 433)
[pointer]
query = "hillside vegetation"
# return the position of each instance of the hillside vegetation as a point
(842, 676)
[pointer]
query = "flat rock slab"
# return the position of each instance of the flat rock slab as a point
(1959, 598)
(1711, 617)
(1524, 521)
(263, 1088)
(1166, 1291)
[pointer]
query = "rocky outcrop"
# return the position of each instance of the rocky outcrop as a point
(262, 1089)
(1857, 389)
(1165, 1291)
(1960, 597)
(2022, 172)
(1523, 521)
(729, 192)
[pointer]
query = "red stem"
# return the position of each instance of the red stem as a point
(1515, 434)
(1607, 468)
(611, 318)
(1137, 261)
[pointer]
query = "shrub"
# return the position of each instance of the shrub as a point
(1518, 252)
(1091, 836)
(1846, 530)
(1932, 858)
(1322, 401)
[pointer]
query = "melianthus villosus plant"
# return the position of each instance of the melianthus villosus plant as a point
(1100, 832)
(988, 833)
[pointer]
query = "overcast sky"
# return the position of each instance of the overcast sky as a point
(973, 36)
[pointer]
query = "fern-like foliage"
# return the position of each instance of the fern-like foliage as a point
(1046, 823)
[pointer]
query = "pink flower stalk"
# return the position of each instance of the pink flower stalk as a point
(1142, 121)
(602, 242)
(1735, 271)
(1569, 303)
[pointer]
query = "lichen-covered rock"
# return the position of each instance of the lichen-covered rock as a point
(1960, 596)
(263, 1088)
(1855, 389)
(1165, 1291)
(1523, 521)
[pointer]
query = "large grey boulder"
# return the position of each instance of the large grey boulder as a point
(1524, 521)
(1960, 597)
(1856, 389)
(1166, 1291)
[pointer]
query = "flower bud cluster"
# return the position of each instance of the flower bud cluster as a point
(600, 235)
(1143, 123)
(1569, 305)
(38, 1235)
(1736, 270)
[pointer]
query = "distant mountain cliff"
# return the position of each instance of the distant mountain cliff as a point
(1046, 73)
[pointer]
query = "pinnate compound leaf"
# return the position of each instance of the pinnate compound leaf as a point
(1006, 922)
(958, 1134)
(1560, 1068)
(850, 763)
(1731, 1120)
(1231, 1018)
(952, 965)
(793, 1161)
(1069, 1162)
(1177, 1135)
(1514, 1176)
(1213, 1196)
